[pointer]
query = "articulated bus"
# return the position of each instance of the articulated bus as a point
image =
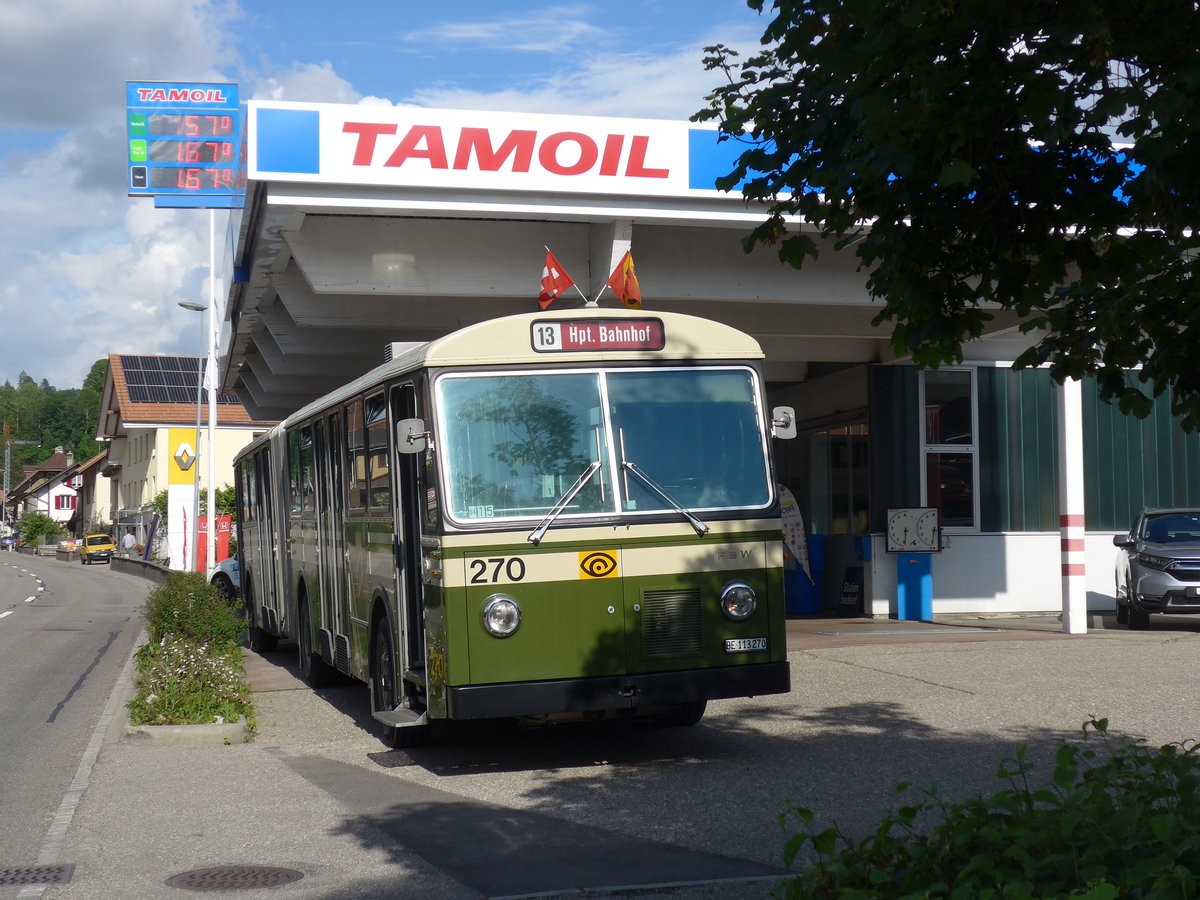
(557, 516)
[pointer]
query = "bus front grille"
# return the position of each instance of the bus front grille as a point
(670, 623)
(341, 660)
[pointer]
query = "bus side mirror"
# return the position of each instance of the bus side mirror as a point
(411, 435)
(783, 423)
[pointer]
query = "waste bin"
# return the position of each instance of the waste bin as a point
(803, 597)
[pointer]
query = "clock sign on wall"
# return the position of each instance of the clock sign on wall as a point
(913, 530)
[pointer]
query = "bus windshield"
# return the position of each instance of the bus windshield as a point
(513, 445)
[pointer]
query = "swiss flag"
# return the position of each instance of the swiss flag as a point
(555, 280)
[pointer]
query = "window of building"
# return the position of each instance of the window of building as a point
(64, 501)
(949, 449)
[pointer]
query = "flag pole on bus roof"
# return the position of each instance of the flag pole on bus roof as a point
(555, 280)
(623, 282)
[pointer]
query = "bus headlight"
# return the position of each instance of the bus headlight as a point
(738, 601)
(501, 616)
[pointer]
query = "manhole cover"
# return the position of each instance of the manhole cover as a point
(36, 874)
(234, 878)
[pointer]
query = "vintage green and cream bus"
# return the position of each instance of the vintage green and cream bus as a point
(546, 516)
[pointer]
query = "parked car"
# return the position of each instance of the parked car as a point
(1158, 568)
(225, 578)
(96, 548)
(10, 541)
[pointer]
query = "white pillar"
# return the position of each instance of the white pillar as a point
(1071, 507)
(608, 242)
(212, 379)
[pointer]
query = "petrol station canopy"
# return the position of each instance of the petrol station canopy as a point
(371, 224)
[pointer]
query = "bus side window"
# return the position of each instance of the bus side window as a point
(294, 497)
(308, 496)
(378, 471)
(356, 458)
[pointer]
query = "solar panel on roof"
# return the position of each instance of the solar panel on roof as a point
(166, 379)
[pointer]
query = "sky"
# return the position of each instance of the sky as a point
(86, 271)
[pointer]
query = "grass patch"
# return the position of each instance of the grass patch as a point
(1119, 821)
(191, 672)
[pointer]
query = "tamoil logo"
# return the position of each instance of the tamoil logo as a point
(598, 564)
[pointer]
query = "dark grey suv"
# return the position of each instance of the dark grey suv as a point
(1158, 568)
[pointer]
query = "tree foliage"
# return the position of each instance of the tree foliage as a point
(965, 153)
(48, 417)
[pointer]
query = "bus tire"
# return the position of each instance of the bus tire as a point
(261, 641)
(314, 671)
(258, 640)
(687, 714)
(382, 688)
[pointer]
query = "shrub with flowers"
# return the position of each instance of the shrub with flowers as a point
(190, 673)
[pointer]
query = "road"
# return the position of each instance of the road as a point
(66, 630)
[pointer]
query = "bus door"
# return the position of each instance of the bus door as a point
(302, 539)
(327, 442)
(266, 554)
(409, 506)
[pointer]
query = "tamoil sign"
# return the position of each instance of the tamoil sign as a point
(185, 140)
(437, 148)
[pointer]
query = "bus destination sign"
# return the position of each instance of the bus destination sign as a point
(577, 335)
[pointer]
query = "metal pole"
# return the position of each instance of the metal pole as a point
(211, 378)
(194, 556)
(194, 551)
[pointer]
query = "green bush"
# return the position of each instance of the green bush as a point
(187, 606)
(36, 528)
(1123, 822)
(190, 673)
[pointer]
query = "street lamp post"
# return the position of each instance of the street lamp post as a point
(210, 382)
(194, 557)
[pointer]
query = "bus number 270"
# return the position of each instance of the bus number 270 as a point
(490, 571)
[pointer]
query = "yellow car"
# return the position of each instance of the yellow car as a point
(96, 548)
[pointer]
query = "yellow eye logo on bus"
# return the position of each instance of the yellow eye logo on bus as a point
(598, 564)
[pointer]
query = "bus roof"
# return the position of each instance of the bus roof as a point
(509, 341)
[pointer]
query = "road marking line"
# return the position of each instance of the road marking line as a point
(3, 614)
(30, 599)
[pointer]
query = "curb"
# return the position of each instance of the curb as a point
(187, 735)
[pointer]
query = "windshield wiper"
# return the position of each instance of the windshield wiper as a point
(585, 476)
(700, 527)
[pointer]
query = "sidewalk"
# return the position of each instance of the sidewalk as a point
(319, 795)
(816, 632)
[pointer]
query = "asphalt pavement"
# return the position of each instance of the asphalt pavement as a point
(316, 806)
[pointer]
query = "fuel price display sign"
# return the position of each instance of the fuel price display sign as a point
(185, 140)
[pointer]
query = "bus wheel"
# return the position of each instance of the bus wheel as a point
(384, 696)
(314, 671)
(686, 714)
(258, 640)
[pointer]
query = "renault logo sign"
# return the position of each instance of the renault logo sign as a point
(185, 456)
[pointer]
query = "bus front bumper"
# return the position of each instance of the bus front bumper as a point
(617, 692)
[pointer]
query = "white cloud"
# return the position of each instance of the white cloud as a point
(63, 62)
(310, 82)
(557, 29)
(609, 84)
(87, 270)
